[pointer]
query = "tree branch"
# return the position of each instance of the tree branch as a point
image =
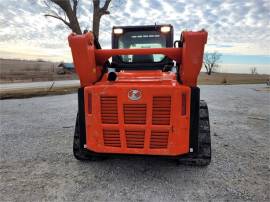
(106, 5)
(67, 8)
(104, 9)
(75, 4)
(59, 18)
(63, 4)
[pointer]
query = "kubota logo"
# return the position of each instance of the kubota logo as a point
(134, 94)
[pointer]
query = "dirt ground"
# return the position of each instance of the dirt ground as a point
(36, 161)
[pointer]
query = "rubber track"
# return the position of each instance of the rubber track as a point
(203, 158)
(82, 154)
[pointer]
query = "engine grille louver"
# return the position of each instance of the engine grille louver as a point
(111, 138)
(161, 110)
(135, 138)
(135, 113)
(109, 109)
(159, 139)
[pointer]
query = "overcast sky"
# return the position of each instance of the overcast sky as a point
(239, 29)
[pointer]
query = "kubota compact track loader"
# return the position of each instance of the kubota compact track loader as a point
(143, 101)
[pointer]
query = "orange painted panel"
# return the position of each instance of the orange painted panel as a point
(83, 52)
(151, 125)
(192, 56)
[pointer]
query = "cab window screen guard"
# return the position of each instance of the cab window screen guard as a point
(142, 39)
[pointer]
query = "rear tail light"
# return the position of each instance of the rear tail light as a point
(89, 103)
(184, 104)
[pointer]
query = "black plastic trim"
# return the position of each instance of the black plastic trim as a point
(81, 113)
(194, 118)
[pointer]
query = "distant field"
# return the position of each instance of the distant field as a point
(229, 78)
(28, 71)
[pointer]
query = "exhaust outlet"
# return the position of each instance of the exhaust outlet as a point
(112, 76)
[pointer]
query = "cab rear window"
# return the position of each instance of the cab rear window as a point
(142, 39)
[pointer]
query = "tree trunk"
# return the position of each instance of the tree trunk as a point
(96, 24)
(211, 68)
(205, 66)
(98, 12)
(71, 13)
(73, 23)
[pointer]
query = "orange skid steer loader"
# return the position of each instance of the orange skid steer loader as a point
(141, 96)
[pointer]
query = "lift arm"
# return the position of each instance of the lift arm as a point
(88, 60)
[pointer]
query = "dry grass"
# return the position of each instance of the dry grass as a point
(229, 78)
(30, 71)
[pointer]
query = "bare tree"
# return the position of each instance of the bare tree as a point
(253, 70)
(211, 61)
(98, 12)
(66, 11)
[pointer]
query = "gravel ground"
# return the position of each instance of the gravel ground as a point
(37, 163)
